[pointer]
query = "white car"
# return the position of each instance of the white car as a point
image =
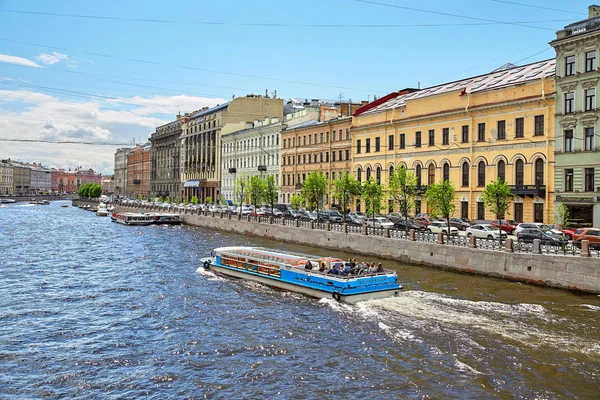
(441, 226)
(485, 231)
(380, 222)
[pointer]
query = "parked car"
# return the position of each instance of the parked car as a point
(460, 223)
(401, 225)
(355, 220)
(590, 234)
(441, 226)
(507, 226)
(331, 215)
(380, 222)
(292, 214)
(423, 220)
(486, 231)
(529, 234)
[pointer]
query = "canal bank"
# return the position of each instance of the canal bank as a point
(573, 272)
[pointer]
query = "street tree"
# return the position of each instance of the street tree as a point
(372, 196)
(271, 193)
(167, 200)
(497, 198)
(314, 189)
(561, 216)
(440, 197)
(239, 190)
(257, 190)
(403, 189)
(346, 189)
(297, 201)
(194, 200)
(209, 200)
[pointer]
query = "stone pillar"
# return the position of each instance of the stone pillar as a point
(537, 246)
(585, 248)
(509, 246)
(411, 235)
(271, 220)
(386, 232)
(327, 226)
(311, 224)
(440, 238)
(364, 230)
(345, 228)
(472, 242)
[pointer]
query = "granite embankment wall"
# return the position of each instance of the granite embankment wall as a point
(567, 272)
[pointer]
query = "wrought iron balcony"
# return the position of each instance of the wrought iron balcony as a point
(528, 190)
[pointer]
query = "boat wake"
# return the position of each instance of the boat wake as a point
(208, 274)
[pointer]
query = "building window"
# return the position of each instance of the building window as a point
(333, 156)
(480, 210)
(391, 142)
(570, 65)
(481, 132)
(465, 174)
(334, 136)
(431, 174)
(340, 135)
(359, 175)
(368, 146)
(538, 125)
(568, 140)
(327, 137)
(569, 102)
(417, 139)
(402, 141)
(589, 179)
(519, 127)
(315, 138)
(569, 180)
(589, 139)
(431, 137)
(304, 140)
(303, 158)
(321, 136)
(502, 170)
(340, 155)
(518, 212)
(368, 173)
(358, 147)
(519, 172)
(378, 175)
(464, 209)
(590, 61)
(326, 156)
(590, 99)
(501, 130)
(347, 154)
(377, 144)
(418, 174)
(321, 157)
(465, 134)
(446, 172)
(481, 174)
(446, 136)
(347, 134)
(391, 173)
(539, 172)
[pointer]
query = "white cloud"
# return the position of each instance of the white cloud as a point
(52, 58)
(5, 58)
(168, 104)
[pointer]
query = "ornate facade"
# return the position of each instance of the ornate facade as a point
(164, 174)
(138, 171)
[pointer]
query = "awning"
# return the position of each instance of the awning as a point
(192, 183)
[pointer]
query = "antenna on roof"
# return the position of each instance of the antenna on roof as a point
(419, 85)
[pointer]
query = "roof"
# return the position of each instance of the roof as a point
(211, 110)
(491, 81)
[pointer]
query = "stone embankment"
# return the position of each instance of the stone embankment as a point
(574, 270)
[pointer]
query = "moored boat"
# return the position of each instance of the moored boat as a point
(132, 219)
(287, 271)
(64, 205)
(165, 219)
(102, 210)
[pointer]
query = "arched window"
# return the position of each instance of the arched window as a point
(418, 174)
(378, 175)
(446, 172)
(519, 172)
(465, 174)
(481, 173)
(539, 172)
(502, 170)
(430, 174)
(391, 173)
(368, 173)
(359, 174)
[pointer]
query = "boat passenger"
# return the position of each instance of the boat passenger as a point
(334, 270)
(308, 265)
(380, 268)
(372, 268)
(322, 268)
(347, 269)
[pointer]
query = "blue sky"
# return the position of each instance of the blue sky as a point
(86, 85)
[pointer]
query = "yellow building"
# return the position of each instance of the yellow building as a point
(470, 132)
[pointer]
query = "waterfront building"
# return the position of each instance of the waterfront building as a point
(314, 146)
(21, 178)
(577, 175)
(7, 185)
(470, 132)
(139, 160)
(164, 170)
(200, 159)
(249, 152)
(41, 179)
(121, 171)
(108, 185)
(70, 181)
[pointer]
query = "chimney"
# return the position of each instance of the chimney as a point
(593, 11)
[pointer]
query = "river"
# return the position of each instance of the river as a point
(98, 310)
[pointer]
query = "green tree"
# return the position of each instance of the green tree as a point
(185, 201)
(176, 201)
(209, 199)
(345, 190)
(497, 198)
(271, 193)
(314, 189)
(440, 197)
(194, 200)
(561, 216)
(403, 189)
(168, 200)
(297, 201)
(160, 199)
(239, 190)
(256, 189)
(372, 195)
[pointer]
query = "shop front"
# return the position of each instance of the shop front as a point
(584, 210)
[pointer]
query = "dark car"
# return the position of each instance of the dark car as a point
(330, 216)
(460, 223)
(528, 235)
(292, 214)
(401, 225)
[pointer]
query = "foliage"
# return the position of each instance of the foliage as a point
(176, 201)
(239, 193)
(440, 197)
(561, 215)
(208, 199)
(256, 189)
(297, 201)
(314, 189)
(403, 189)
(168, 200)
(346, 189)
(90, 190)
(139, 196)
(497, 198)
(160, 199)
(271, 193)
(222, 200)
(194, 200)
(372, 196)
(185, 201)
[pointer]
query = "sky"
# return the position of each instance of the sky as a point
(109, 72)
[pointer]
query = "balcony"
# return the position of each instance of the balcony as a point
(528, 190)
(137, 181)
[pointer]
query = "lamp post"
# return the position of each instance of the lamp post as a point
(233, 171)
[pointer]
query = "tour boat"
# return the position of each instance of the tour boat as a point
(165, 219)
(102, 210)
(39, 202)
(132, 218)
(287, 271)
